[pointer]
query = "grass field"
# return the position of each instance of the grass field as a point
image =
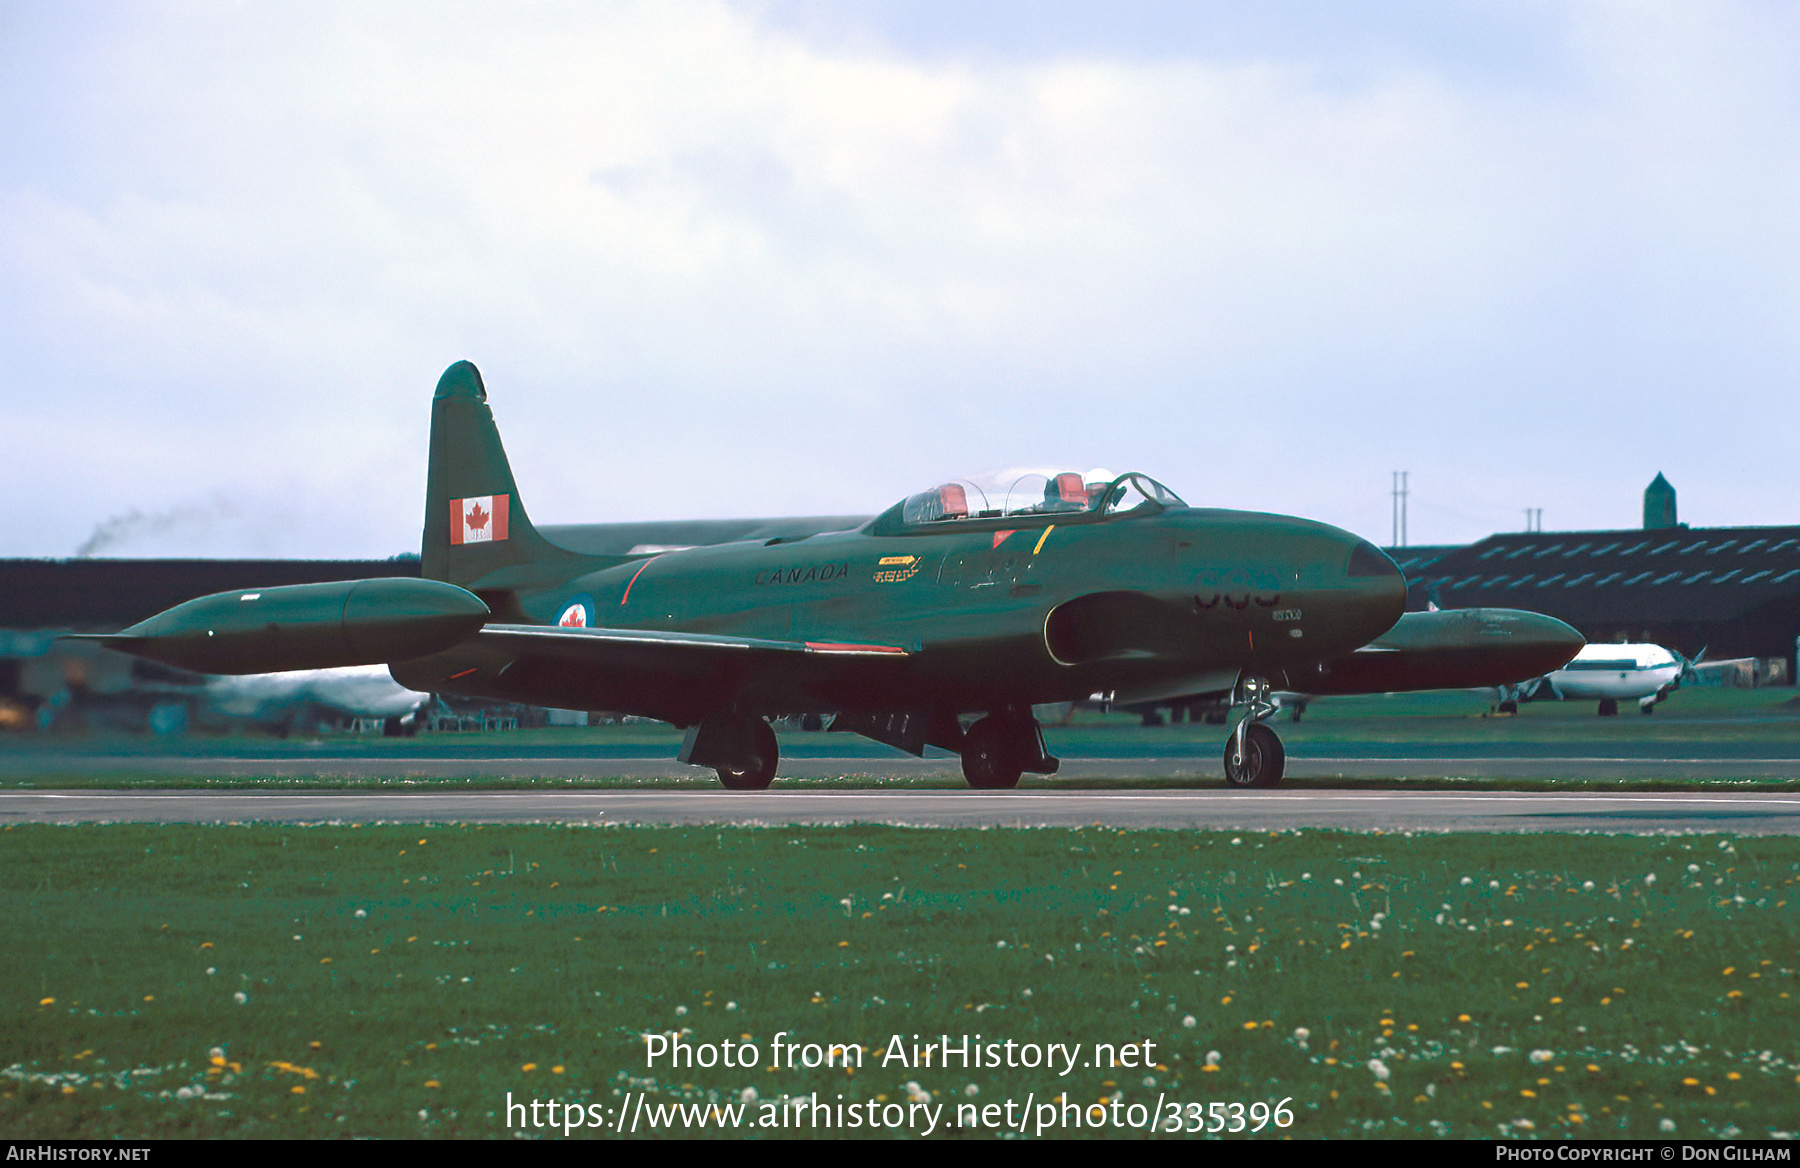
(389, 981)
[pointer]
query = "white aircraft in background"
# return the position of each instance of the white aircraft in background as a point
(1609, 674)
(363, 691)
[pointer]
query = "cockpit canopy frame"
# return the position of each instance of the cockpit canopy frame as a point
(1065, 497)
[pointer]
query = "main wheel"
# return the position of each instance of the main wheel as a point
(1264, 759)
(756, 771)
(1609, 707)
(991, 756)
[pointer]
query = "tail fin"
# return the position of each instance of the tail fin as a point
(477, 534)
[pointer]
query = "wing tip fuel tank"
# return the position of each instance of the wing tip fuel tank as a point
(307, 626)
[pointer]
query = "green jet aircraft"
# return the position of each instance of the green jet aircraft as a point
(939, 622)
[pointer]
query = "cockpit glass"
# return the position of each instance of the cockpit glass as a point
(1036, 492)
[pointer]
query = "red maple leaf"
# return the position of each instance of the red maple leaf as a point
(476, 518)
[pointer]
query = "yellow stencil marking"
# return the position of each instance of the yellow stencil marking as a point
(1042, 538)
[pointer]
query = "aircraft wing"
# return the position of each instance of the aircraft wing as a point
(658, 645)
(676, 672)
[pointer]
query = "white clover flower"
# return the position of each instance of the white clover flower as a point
(240, 997)
(1379, 1070)
(1186, 911)
(1541, 1056)
(217, 1052)
(210, 970)
(731, 1005)
(1189, 1022)
(1467, 880)
(1667, 1125)
(360, 913)
(916, 1093)
(1149, 1080)
(680, 1010)
(1212, 1058)
(1693, 867)
(1524, 1125)
(1301, 1034)
(1493, 884)
(1650, 879)
(999, 944)
(1587, 885)
(971, 1090)
(1025, 993)
(748, 1095)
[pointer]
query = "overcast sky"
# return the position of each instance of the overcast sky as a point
(792, 258)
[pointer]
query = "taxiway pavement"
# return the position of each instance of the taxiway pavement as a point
(1276, 810)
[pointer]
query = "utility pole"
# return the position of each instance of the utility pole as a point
(1399, 509)
(1534, 519)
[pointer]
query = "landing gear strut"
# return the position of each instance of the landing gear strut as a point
(741, 748)
(1254, 756)
(1001, 747)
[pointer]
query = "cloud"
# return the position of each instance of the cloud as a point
(715, 262)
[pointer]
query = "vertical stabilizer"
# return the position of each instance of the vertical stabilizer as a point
(477, 533)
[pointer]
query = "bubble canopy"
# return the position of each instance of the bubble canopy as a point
(1061, 496)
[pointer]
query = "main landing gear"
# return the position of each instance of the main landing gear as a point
(1254, 756)
(1001, 747)
(740, 747)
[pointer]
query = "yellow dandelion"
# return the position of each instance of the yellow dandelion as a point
(1528, 1093)
(298, 1089)
(529, 1067)
(1462, 1017)
(1524, 985)
(432, 1083)
(556, 1070)
(46, 1001)
(1249, 1026)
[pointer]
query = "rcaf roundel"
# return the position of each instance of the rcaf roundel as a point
(478, 520)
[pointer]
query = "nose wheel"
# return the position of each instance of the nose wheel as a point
(1254, 756)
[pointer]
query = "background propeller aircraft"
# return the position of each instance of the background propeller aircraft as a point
(1609, 674)
(939, 622)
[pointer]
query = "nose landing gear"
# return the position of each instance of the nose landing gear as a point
(1254, 756)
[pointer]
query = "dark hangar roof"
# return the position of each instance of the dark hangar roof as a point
(105, 595)
(1594, 578)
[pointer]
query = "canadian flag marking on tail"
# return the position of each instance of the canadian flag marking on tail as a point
(478, 520)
